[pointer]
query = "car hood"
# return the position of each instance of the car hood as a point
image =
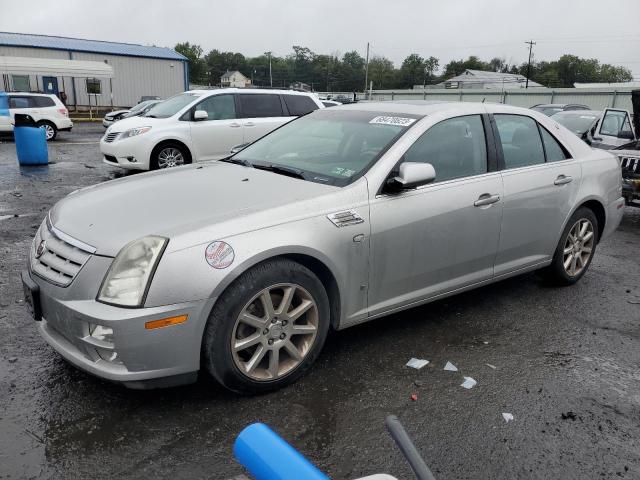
(135, 122)
(174, 202)
(114, 113)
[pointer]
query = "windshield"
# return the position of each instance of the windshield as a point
(328, 146)
(578, 124)
(140, 107)
(172, 105)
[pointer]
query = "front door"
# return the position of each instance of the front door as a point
(443, 236)
(615, 129)
(50, 85)
(214, 137)
(541, 183)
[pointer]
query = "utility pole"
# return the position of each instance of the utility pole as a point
(366, 71)
(531, 43)
(268, 54)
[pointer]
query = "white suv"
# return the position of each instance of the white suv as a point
(200, 125)
(47, 110)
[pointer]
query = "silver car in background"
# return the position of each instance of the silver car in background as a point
(240, 267)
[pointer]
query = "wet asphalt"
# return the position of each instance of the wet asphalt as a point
(566, 366)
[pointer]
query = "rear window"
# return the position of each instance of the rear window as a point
(43, 102)
(299, 104)
(261, 105)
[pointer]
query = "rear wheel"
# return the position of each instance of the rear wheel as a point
(575, 249)
(267, 329)
(50, 130)
(169, 155)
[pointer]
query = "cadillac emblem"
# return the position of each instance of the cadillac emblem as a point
(41, 248)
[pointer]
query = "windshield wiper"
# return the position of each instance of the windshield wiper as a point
(237, 161)
(281, 170)
(150, 116)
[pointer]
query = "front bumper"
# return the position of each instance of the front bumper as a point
(132, 153)
(145, 358)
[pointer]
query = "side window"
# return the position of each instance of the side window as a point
(260, 105)
(218, 107)
(615, 122)
(43, 102)
(18, 102)
(520, 139)
(552, 148)
(455, 147)
(299, 104)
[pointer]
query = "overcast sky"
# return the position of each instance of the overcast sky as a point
(608, 30)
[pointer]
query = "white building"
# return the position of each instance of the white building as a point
(234, 79)
(90, 72)
(482, 79)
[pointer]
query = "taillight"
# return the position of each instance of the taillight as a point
(63, 111)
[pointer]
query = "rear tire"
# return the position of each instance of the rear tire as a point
(255, 342)
(575, 249)
(51, 132)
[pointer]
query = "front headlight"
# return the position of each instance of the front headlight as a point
(134, 132)
(128, 278)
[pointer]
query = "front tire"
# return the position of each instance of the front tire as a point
(50, 130)
(575, 249)
(168, 155)
(267, 329)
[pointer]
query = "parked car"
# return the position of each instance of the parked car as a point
(240, 267)
(145, 98)
(112, 117)
(141, 108)
(47, 110)
(605, 130)
(551, 108)
(330, 103)
(200, 125)
(629, 156)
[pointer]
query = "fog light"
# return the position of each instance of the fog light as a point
(108, 356)
(132, 159)
(104, 334)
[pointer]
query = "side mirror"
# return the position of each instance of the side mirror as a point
(626, 134)
(200, 115)
(412, 175)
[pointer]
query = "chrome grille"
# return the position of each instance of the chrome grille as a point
(59, 261)
(630, 165)
(343, 219)
(110, 137)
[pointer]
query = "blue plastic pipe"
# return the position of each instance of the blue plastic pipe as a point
(268, 457)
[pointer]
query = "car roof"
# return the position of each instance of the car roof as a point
(248, 90)
(428, 107)
(558, 105)
(31, 94)
(579, 112)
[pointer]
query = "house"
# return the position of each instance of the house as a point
(234, 79)
(90, 73)
(481, 79)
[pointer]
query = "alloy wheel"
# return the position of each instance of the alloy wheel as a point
(170, 157)
(274, 332)
(578, 247)
(48, 131)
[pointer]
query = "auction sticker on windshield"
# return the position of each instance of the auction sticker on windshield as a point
(219, 255)
(401, 121)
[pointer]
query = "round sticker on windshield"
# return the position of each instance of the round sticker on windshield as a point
(219, 255)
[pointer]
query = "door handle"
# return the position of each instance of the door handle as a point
(249, 124)
(486, 199)
(235, 125)
(563, 180)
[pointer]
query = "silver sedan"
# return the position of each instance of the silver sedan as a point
(240, 267)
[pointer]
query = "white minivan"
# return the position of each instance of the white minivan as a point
(201, 125)
(48, 111)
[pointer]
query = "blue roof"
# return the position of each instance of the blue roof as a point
(90, 46)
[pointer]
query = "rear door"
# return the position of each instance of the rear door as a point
(541, 182)
(615, 129)
(261, 113)
(214, 137)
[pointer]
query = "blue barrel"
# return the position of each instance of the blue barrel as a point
(268, 457)
(4, 105)
(31, 141)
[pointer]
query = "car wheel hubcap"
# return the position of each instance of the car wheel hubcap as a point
(170, 157)
(274, 332)
(48, 131)
(578, 247)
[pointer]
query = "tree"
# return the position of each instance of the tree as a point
(412, 71)
(381, 73)
(456, 67)
(197, 66)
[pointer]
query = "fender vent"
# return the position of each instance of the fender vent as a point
(344, 219)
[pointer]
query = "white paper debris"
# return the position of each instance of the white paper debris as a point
(417, 363)
(493, 367)
(468, 383)
(507, 417)
(450, 367)
(486, 343)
